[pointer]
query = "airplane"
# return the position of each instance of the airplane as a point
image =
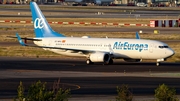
(76, 1)
(101, 2)
(98, 2)
(102, 50)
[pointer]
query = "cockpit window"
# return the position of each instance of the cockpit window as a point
(166, 47)
(163, 47)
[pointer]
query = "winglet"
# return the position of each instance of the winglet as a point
(137, 35)
(20, 40)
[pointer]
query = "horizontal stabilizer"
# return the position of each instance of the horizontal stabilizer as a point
(32, 39)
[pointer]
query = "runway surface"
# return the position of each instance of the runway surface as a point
(86, 80)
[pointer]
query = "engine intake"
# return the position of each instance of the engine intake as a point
(100, 57)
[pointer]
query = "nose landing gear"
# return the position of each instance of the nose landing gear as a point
(158, 61)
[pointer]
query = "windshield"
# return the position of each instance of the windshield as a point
(163, 47)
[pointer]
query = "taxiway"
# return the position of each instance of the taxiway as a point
(86, 80)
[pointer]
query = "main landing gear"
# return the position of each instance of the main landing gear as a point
(110, 62)
(88, 62)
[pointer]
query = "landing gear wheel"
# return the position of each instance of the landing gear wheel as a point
(89, 62)
(157, 64)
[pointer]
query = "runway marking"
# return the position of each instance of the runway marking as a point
(76, 23)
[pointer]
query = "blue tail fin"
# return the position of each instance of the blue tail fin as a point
(41, 26)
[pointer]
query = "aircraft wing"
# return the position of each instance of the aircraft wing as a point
(73, 50)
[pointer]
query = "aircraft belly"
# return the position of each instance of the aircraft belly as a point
(155, 55)
(131, 54)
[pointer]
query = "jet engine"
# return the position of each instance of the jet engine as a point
(132, 60)
(100, 57)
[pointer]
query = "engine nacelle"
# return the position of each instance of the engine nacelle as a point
(100, 57)
(98, 2)
(132, 60)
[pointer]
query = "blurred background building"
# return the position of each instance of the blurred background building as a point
(150, 3)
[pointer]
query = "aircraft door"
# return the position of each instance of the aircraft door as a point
(151, 48)
(51, 43)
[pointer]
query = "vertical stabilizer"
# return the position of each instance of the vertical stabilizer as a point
(41, 26)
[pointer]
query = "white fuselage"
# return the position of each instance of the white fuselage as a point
(120, 48)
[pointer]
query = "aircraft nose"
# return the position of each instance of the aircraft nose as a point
(170, 52)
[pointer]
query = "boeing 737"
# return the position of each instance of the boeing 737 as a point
(102, 50)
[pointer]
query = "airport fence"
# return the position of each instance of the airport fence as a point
(79, 23)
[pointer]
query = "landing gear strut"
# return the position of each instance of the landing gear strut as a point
(158, 61)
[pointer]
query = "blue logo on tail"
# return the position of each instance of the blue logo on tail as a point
(39, 23)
